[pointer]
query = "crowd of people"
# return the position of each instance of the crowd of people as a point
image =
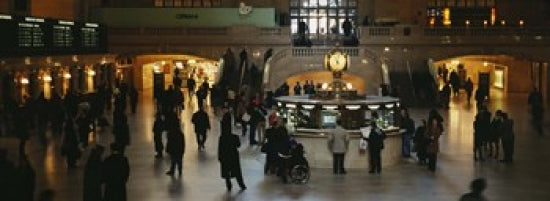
(76, 116)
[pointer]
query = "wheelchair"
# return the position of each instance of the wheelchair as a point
(297, 165)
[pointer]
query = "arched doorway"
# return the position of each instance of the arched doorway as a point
(321, 77)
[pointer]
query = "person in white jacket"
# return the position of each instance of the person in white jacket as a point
(338, 142)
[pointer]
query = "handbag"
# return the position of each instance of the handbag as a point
(362, 146)
(246, 117)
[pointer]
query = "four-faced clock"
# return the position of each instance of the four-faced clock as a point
(337, 62)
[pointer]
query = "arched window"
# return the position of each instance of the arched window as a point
(323, 17)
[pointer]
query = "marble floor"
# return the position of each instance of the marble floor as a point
(527, 179)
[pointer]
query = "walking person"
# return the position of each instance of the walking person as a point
(133, 93)
(228, 153)
(69, 146)
(469, 88)
(92, 175)
(375, 146)
(507, 138)
(477, 186)
(338, 143)
(202, 125)
(433, 134)
(159, 126)
(121, 132)
(22, 129)
(116, 172)
(175, 147)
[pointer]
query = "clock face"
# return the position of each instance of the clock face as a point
(337, 61)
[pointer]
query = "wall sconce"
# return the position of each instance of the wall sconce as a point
(24, 80)
(349, 86)
(91, 73)
(256, 54)
(179, 65)
(485, 22)
(386, 49)
(324, 86)
(467, 22)
(503, 22)
(521, 22)
(47, 78)
(156, 68)
(67, 76)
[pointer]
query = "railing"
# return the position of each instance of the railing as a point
(308, 52)
(486, 31)
(168, 31)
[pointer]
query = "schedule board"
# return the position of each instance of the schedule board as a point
(29, 36)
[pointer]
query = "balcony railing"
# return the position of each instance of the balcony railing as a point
(308, 52)
(487, 31)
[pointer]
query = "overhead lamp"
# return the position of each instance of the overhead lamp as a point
(349, 86)
(308, 107)
(521, 22)
(330, 107)
(179, 65)
(324, 86)
(290, 106)
(386, 49)
(373, 107)
(485, 64)
(353, 107)
(91, 73)
(191, 61)
(389, 106)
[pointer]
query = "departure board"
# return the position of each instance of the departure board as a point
(23, 36)
(30, 35)
(62, 36)
(90, 37)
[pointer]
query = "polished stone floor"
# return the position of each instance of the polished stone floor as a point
(527, 179)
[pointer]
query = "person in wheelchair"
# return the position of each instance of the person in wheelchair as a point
(295, 165)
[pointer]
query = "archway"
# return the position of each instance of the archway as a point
(357, 82)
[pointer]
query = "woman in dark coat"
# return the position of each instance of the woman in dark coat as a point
(92, 176)
(228, 154)
(175, 147)
(69, 147)
(122, 132)
(115, 174)
(433, 134)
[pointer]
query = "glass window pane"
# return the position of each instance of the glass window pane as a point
(304, 3)
(313, 25)
(313, 3)
(303, 12)
(352, 12)
(333, 24)
(341, 21)
(312, 12)
(342, 3)
(342, 12)
(323, 3)
(323, 29)
(331, 12)
(294, 3)
(332, 3)
(352, 3)
(322, 12)
(294, 25)
(293, 12)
